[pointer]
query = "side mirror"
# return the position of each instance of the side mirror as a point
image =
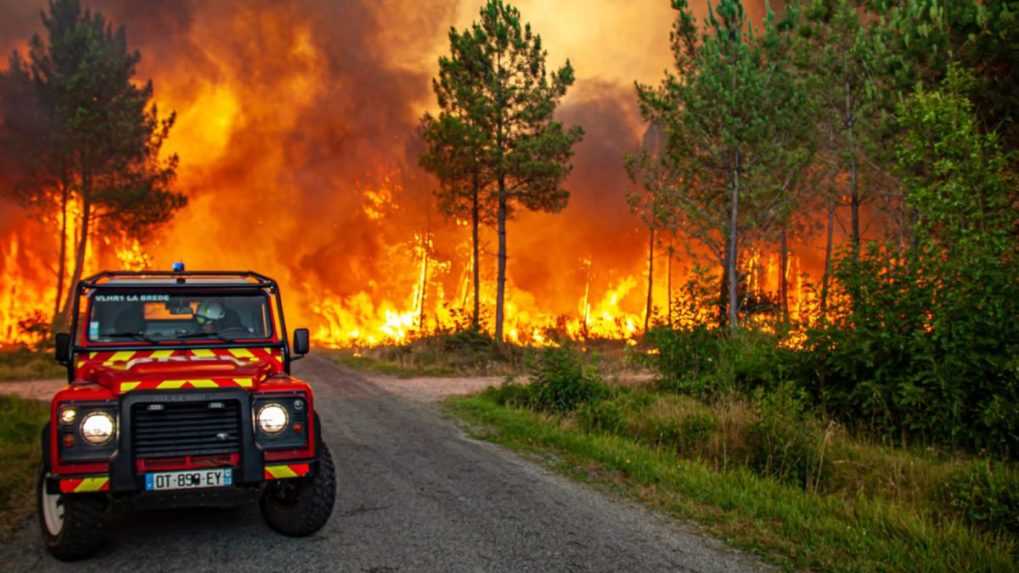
(302, 343)
(62, 348)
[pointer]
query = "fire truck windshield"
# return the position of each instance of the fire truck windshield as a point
(159, 317)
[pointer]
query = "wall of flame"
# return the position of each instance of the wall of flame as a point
(296, 131)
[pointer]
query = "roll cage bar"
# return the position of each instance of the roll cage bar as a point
(250, 278)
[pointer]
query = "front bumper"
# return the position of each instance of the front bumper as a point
(251, 467)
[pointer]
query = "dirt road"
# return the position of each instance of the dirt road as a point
(415, 494)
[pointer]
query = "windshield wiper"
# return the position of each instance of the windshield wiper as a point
(205, 335)
(134, 335)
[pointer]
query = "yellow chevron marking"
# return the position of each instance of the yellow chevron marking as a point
(81, 364)
(242, 353)
(171, 385)
(92, 355)
(280, 472)
(121, 356)
(203, 353)
(203, 384)
(91, 484)
(128, 386)
(162, 354)
(244, 382)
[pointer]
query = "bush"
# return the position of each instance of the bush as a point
(984, 495)
(21, 422)
(785, 443)
(695, 431)
(561, 381)
(606, 416)
(711, 363)
(29, 365)
(511, 394)
(684, 359)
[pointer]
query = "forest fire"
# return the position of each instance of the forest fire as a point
(296, 132)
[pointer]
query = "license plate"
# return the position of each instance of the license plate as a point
(191, 479)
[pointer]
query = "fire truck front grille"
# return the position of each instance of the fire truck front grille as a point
(168, 429)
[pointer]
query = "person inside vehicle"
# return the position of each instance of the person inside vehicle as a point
(212, 316)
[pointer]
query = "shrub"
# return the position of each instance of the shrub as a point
(984, 495)
(684, 359)
(785, 442)
(561, 381)
(24, 364)
(606, 416)
(695, 431)
(711, 363)
(511, 394)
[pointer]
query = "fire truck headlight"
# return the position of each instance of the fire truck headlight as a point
(97, 428)
(272, 418)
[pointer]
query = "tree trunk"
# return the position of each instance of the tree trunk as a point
(650, 278)
(723, 294)
(854, 209)
(668, 286)
(500, 171)
(733, 249)
(475, 221)
(783, 279)
(424, 281)
(500, 295)
(826, 277)
(854, 172)
(56, 324)
(79, 258)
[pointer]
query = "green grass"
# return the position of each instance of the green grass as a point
(463, 353)
(29, 365)
(784, 523)
(21, 422)
(375, 365)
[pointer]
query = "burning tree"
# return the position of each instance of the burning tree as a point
(727, 112)
(647, 168)
(97, 145)
(454, 147)
(498, 102)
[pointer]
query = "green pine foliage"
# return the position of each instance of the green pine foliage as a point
(496, 142)
(92, 133)
(734, 115)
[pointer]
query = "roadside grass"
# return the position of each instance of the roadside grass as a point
(858, 524)
(28, 365)
(470, 353)
(21, 422)
(366, 361)
(463, 353)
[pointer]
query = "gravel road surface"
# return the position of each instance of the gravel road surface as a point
(415, 494)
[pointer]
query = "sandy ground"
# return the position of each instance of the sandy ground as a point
(33, 389)
(433, 389)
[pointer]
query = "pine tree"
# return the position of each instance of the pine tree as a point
(453, 154)
(728, 110)
(103, 133)
(503, 127)
(651, 172)
(841, 58)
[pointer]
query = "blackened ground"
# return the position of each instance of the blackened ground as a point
(415, 494)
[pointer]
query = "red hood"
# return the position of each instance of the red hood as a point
(163, 368)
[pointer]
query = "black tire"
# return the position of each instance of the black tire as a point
(84, 526)
(300, 507)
